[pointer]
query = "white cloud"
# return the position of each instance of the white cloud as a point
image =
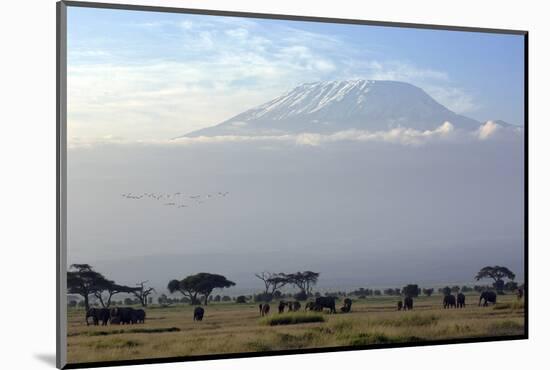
(487, 130)
(446, 133)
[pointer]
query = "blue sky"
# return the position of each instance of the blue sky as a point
(159, 75)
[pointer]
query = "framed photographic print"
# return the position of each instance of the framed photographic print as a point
(236, 184)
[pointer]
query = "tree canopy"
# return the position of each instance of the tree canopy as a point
(202, 283)
(83, 280)
(410, 290)
(497, 274)
(303, 280)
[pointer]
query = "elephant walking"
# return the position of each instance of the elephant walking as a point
(486, 297)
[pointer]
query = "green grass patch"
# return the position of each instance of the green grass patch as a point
(292, 319)
(411, 320)
(259, 346)
(116, 343)
(131, 331)
(517, 305)
(300, 340)
(363, 339)
(505, 327)
(343, 326)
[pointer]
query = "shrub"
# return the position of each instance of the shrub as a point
(241, 299)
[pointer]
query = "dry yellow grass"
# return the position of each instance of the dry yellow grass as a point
(234, 328)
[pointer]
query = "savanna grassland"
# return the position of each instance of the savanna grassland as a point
(233, 328)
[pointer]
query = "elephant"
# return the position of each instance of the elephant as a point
(294, 306)
(198, 314)
(104, 315)
(487, 296)
(449, 301)
(399, 305)
(264, 309)
(326, 302)
(282, 306)
(408, 304)
(92, 312)
(520, 293)
(460, 300)
(347, 306)
(97, 315)
(122, 315)
(138, 316)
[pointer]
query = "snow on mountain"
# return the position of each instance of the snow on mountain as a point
(333, 106)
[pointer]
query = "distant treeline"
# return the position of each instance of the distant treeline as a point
(198, 288)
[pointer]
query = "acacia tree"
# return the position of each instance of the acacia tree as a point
(304, 280)
(83, 280)
(110, 288)
(278, 281)
(142, 293)
(497, 274)
(185, 288)
(272, 281)
(202, 283)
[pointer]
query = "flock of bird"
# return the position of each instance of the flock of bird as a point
(178, 199)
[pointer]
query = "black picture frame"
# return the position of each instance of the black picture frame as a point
(61, 166)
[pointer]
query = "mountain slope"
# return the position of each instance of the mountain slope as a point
(325, 107)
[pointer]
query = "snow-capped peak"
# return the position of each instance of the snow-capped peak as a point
(331, 106)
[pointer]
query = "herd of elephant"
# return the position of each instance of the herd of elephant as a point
(128, 315)
(118, 315)
(451, 301)
(318, 305)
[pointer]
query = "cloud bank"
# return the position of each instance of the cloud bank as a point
(399, 136)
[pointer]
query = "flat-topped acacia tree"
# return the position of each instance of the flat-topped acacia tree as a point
(83, 280)
(202, 283)
(497, 274)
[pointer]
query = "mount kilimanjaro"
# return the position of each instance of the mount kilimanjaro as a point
(328, 107)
